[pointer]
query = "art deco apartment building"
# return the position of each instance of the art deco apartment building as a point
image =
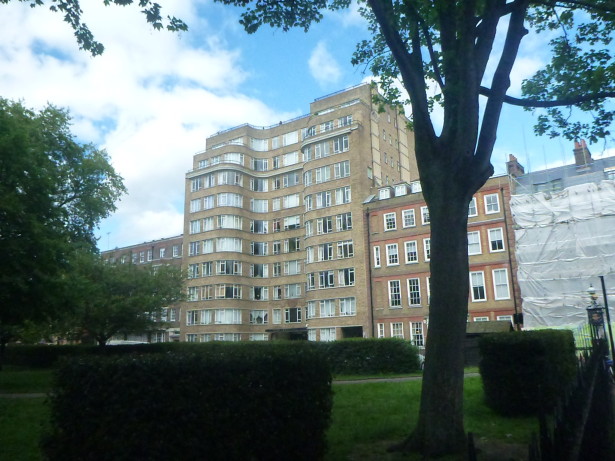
(166, 251)
(274, 232)
(399, 233)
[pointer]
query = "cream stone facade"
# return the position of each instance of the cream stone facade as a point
(275, 241)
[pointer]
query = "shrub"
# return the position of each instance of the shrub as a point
(232, 403)
(522, 370)
(371, 356)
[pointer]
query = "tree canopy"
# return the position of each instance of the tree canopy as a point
(107, 299)
(53, 193)
(452, 53)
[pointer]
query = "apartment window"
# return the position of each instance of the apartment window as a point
(277, 225)
(477, 282)
(481, 319)
(228, 244)
(327, 334)
(229, 199)
(308, 203)
(230, 177)
(325, 252)
(309, 255)
(290, 159)
(322, 174)
(345, 249)
(408, 218)
(228, 291)
(326, 279)
(206, 269)
(193, 293)
(259, 185)
(376, 256)
(397, 330)
(323, 199)
(311, 281)
(228, 316)
(414, 292)
(290, 201)
(292, 315)
(342, 169)
(427, 248)
(381, 330)
(277, 292)
(418, 337)
(142, 256)
(277, 269)
(307, 153)
(259, 270)
(259, 205)
(260, 164)
(343, 195)
(195, 205)
(290, 138)
(344, 221)
(390, 222)
(208, 224)
(162, 253)
(500, 284)
(496, 239)
(291, 245)
(277, 247)
(193, 271)
(195, 184)
(193, 317)
(309, 228)
(472, 210)
(292, 222)
(209, 181)
(394, 293)
(258, 248)
(412, 255)
(208, 202)
(340, 144)
(150, 254)
(208, 246)
(322, 149)
(384, 193)
(492, 203)
(192, 338)
(425, 219)
(228, 267)
(348, 306)
(259, 317)
(324, 225)
(290, 179)
(194, 248)
(327, 308)
(292, 267)
(326, 126)
(258, 337)
(345, 277)
(195, 226)
(474, 243)
(229, 221)
(307, 178)
(277, 316)
(259, 226)
(344, 121)
(207, 292)
(292, 290)
(505, 317)
(392, 254)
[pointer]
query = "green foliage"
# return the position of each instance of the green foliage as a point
(522, 370)
(370, 356)
(233, 403)
(22, 421)
(71, 11)
(53, 193)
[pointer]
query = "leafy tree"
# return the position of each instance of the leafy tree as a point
(53, 193)
(108, 299)
(71, 10)
(453, 44)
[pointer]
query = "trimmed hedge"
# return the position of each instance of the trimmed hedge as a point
(348, 356)
(371, 356)
(522, 370)
(232, 403)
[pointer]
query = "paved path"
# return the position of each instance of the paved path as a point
(390, 380)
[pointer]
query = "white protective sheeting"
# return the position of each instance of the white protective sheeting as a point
(564, 241)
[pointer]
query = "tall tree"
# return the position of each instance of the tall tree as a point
(453, 45)
(108, 299)
(53, 193)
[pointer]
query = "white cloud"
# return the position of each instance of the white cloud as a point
(323, 66)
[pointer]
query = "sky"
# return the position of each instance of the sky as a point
(153, 97)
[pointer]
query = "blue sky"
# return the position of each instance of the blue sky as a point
(153, 97)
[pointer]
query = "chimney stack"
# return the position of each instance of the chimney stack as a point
(582, 156)
(513, 167)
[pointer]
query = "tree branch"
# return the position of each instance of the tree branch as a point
(573, 100)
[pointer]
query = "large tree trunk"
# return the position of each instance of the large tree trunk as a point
(448, 191)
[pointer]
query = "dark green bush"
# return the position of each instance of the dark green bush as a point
(226, 402)
(371, 356)
(523, 370)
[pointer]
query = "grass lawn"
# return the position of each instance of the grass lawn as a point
(366, 418)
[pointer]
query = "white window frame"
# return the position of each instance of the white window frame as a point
(492, 240)
(394, 330)
(494, 207)
(425, 218)
(392, 253)
(471, 235)
(497, 285)
(427, 249)
(377, 259)
(408, 218)
(408, 244)
(390, 221)
(473, 275)
(411, 285)
(395, 295)
(472, 208)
